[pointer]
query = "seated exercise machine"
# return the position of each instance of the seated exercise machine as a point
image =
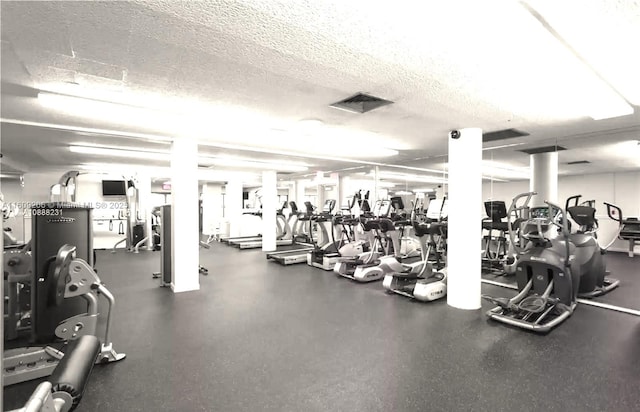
(63, 391)
(365, 267)
(67, 277)
(418, 280)
(17, 280)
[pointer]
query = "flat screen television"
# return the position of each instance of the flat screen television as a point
(114, 188)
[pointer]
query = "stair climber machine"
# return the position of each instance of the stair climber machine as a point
(418, 280)
(325, 254)
(365, 267)
(551, 272)
(628, 229)
(301, 233)
(498, 254)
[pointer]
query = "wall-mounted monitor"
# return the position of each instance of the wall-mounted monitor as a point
(114, 188)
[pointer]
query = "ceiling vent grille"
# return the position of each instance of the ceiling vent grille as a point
(360, 103)
(503, 134)
(579, 162)
(543, 149)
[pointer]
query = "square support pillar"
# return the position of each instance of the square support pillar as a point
(269, 205)
(233, 206)
(211, 209)
(464, 266)
(185, 231)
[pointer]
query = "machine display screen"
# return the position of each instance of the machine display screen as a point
(542, 213)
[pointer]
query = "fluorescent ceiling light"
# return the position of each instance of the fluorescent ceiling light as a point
(228, 162)
(109, 112)
(101, 151)
(494, 179)
(166, 156)
(494, 170)
(424, 190)
(411, 178)
(501, 146)
(403, 193)
(165, 172)
(363, 183)
(93, 131)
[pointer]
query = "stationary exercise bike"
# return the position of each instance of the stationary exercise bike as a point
(419, 280)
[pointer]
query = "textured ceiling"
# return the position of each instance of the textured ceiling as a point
(249, 67)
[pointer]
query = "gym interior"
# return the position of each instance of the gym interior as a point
(275, 206)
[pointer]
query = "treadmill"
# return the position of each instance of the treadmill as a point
(299, 255)
(234, 240)
(285, 232)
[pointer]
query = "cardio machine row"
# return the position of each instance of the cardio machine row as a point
(405, 250)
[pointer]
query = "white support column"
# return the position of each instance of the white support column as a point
(211, 208)
(292, 193)
(185, 231)
(144, 204)
(300, 192)
(376, 182)
(320, 197)
(343, 188)
(544, 177)
(465, 188)
(233, 206)
(269, 206)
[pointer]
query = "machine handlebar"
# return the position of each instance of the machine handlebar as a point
(565, 229)
(612, 210)
(513, 209)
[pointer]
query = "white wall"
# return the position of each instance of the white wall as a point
(621, 189)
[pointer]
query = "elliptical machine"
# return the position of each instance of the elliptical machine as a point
(552, 273)
(595, 281)
(547, 274)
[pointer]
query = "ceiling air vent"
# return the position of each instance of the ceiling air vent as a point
(579, 162)
(502, 135)
(544, 149)
(360, 103)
